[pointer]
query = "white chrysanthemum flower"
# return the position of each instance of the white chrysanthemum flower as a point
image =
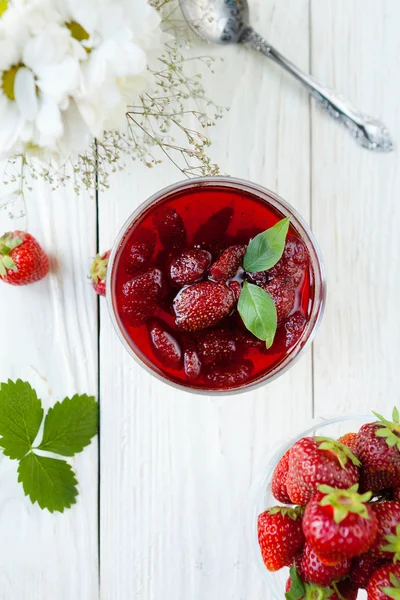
(68, 70)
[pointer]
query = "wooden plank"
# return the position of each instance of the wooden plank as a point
(49, 338)
(355, 209)
(176, 469)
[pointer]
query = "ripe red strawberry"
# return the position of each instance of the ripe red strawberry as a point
(295, 259)
(385, 583)
(202, 305)
(316, 572)
(141, 250)
(378, 447)
(170, 227)
(279, 477)
(316, 461)
(280, 536)
(210, 234)
(22, 260)
(349, 440)
(362, 569)
(236, 288)
(339, 524)
(228, 376)
(98, 273)
(165, 346)
(396, 494)
(288, 333)
(216, 346)
(387, 542)
(282, 291)
(141, 296)
(228, 263)
(191, 360)
(189, 266)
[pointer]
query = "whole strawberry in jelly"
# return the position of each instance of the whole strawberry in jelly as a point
(188, 266)
(165, 346)
(202, 305)
(141, 296)
(228, 263)
(140, 250)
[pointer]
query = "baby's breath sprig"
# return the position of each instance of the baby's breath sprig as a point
(169, 121)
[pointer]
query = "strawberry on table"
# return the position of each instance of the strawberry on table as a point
(378, 447)
(315, 461)
(385, 583)
(316, 572)
(339, 524)
(202, 305)
(279, 477)
(22, 260)
(387, 542)
(98, 273)
(280, 536)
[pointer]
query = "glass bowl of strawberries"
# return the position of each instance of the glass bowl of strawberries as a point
(215, 285)
(327, 521)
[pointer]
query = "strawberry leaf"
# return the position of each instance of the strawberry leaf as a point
(297, 588)
(393, 591)
(258, 312)
(393, 544)
(266, 249)
(21, 414)
(48, 481)
(342, 452)
(286, 511)
(391, 430)
(70, 425)
(344, 502)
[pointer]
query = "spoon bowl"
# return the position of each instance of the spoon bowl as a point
(218, 22)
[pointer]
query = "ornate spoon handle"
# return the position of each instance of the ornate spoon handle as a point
(369, 132)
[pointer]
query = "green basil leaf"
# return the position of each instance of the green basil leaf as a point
(266, 249)
(258, 312)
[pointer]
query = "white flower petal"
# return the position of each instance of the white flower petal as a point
(49, 120)
(25, 93)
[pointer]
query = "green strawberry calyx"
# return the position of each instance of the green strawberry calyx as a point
(394, 590)
(344, 502)
(342, 452)
(393, 544)
(304, 591)
(99, 268)
(7, 245)
(391, 430)
(285, 511)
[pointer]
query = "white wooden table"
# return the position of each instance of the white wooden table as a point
(164, 494)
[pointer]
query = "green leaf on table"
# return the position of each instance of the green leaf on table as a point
(70, 425)
(266, 249)
(258, 312)
(21, 414)
(48, 481)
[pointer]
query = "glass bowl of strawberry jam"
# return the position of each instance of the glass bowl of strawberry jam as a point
(189, 294)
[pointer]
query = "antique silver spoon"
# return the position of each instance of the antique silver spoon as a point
(227, 22)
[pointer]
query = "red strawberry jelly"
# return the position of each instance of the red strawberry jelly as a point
(209, 219)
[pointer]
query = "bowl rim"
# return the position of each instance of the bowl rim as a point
(259, 191)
